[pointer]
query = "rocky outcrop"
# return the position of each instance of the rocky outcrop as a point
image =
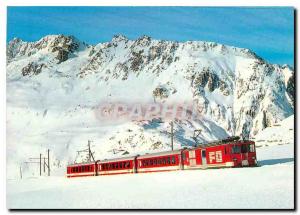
(62, 45)
(290, 88)
(160, 92)
(32, 69)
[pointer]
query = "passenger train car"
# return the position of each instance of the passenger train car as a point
(225, 153)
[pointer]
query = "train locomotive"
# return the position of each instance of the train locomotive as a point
(230, 152)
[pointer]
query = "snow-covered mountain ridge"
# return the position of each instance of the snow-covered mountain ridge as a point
(54, 85)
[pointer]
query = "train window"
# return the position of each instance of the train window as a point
(116, 165)
(236, 149)
(150, 162)
(244, 148)
(168, 160)
(225, 150)
(252, 148)
(164, 161)
(173, 160)
(154, 162)
(159, 162)
(127, 164)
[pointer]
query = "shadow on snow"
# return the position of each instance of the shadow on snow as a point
(275, 161)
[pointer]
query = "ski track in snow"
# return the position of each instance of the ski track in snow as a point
(268, 186)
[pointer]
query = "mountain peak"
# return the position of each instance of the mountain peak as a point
(119, 37)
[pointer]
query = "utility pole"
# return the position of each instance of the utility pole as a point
(40, 164)
(172, 135)
(20, 171)
(89, 149)
(48, 152)
(39, 161)
(91, 156)
(44, 165)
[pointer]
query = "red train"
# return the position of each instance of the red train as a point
(226, 153)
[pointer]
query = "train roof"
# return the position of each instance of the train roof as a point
(116, 159)
(224, 142)
(160, 153)
(82, 163)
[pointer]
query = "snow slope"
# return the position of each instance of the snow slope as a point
(280, 133)
(270, 186)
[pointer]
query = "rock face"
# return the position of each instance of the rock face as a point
(290, 88)
(231, 86)
(60, 45)
(32, 69)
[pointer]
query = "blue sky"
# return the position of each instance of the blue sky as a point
(267, 31)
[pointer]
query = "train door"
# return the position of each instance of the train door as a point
(203, 156)
(182, 157)
(135, 165)
(244, 154)
(192, 158)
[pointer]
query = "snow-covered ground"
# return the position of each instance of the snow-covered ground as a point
(268, 186)
(278, 134)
